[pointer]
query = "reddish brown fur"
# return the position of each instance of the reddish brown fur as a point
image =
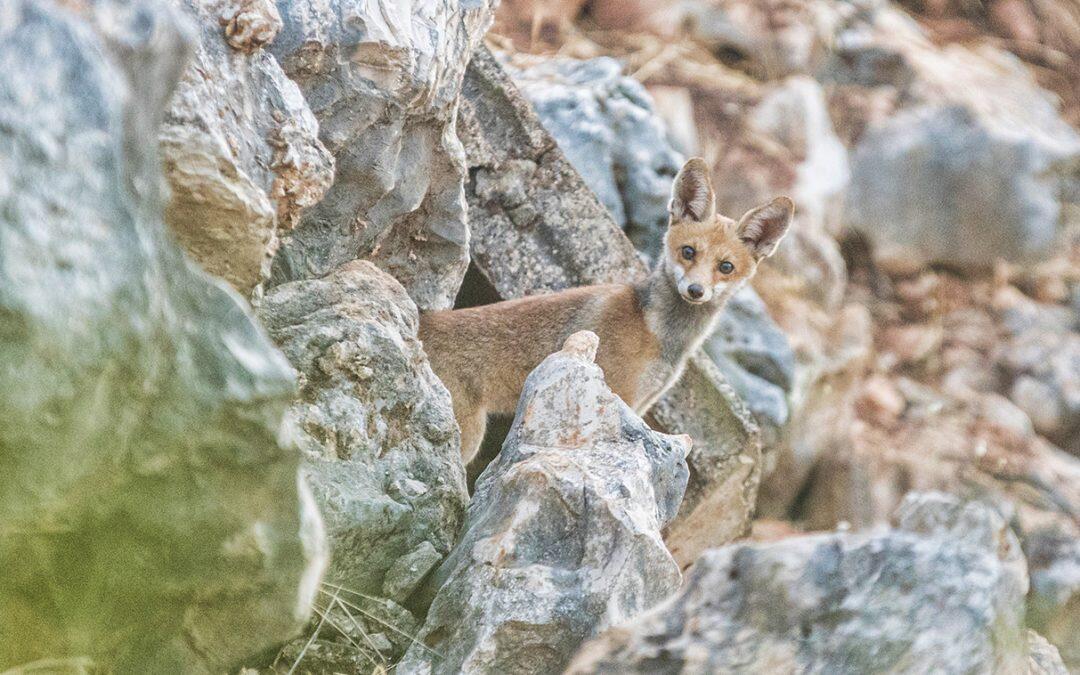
(484, 354)
(647, 330)
(714, 242)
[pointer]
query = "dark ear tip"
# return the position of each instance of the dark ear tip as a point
(785, 203)
(695, 164)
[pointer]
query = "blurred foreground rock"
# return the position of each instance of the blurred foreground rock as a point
(152, 515)
(536, 226)
(562, 537)
(239, 144)
(375, 424)
(383, 80)
(943, 592)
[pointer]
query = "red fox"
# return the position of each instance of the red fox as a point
(647, 329)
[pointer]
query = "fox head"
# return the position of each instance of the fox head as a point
(708, 254)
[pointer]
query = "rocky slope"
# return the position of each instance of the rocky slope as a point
(267, 477)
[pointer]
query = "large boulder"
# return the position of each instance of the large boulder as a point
(383, 80)
(536, 226)
(943, 593)
(376, 426)
(239, 144)
(152, 514)
(562, 537)
(971, 161)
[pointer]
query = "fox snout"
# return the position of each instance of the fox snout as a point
(693, 291)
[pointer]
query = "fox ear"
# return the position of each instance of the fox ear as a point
(692, 195)
(762, 228)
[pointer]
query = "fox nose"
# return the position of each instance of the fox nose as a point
(695, 291)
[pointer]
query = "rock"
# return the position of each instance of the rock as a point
(974, 165)
(152, 514)
(537, 227)
(384, 81)
(375, 424)
(755, 357)
(1043, 657)
(940, 593)
(562, 538)
(406, 574)
(1042, 362)
(607, 128)
(1053, 603)
(239, 144)
(253, 24)
(880, 401)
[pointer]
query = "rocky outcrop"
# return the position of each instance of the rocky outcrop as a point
(537, 227)
(239, 145)
(605, 124)
(562, 538)
(943, 592)
(383, 80)
(152, 516)
(382, 451)
(968, 162)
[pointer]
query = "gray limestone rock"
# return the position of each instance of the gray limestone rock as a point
(151, 512)
(976, 163)
(942, 593)
(239, 145)
(383, 79)
(374, 422)
(562, 538)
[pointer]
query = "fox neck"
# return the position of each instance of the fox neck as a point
(680, 326)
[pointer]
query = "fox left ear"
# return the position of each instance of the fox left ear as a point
(762, 228)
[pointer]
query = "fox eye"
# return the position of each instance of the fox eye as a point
(688, 252)
(726, 267)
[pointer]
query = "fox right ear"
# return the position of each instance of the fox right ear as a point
(692, 196)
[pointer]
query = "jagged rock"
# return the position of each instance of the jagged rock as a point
(1053, 603)
(943, 592)
(605, 125)
(376, 425)
(384, 79)
(152, 516)
(239, 144)
(537, 227)
(562, 537)
(972, 164)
